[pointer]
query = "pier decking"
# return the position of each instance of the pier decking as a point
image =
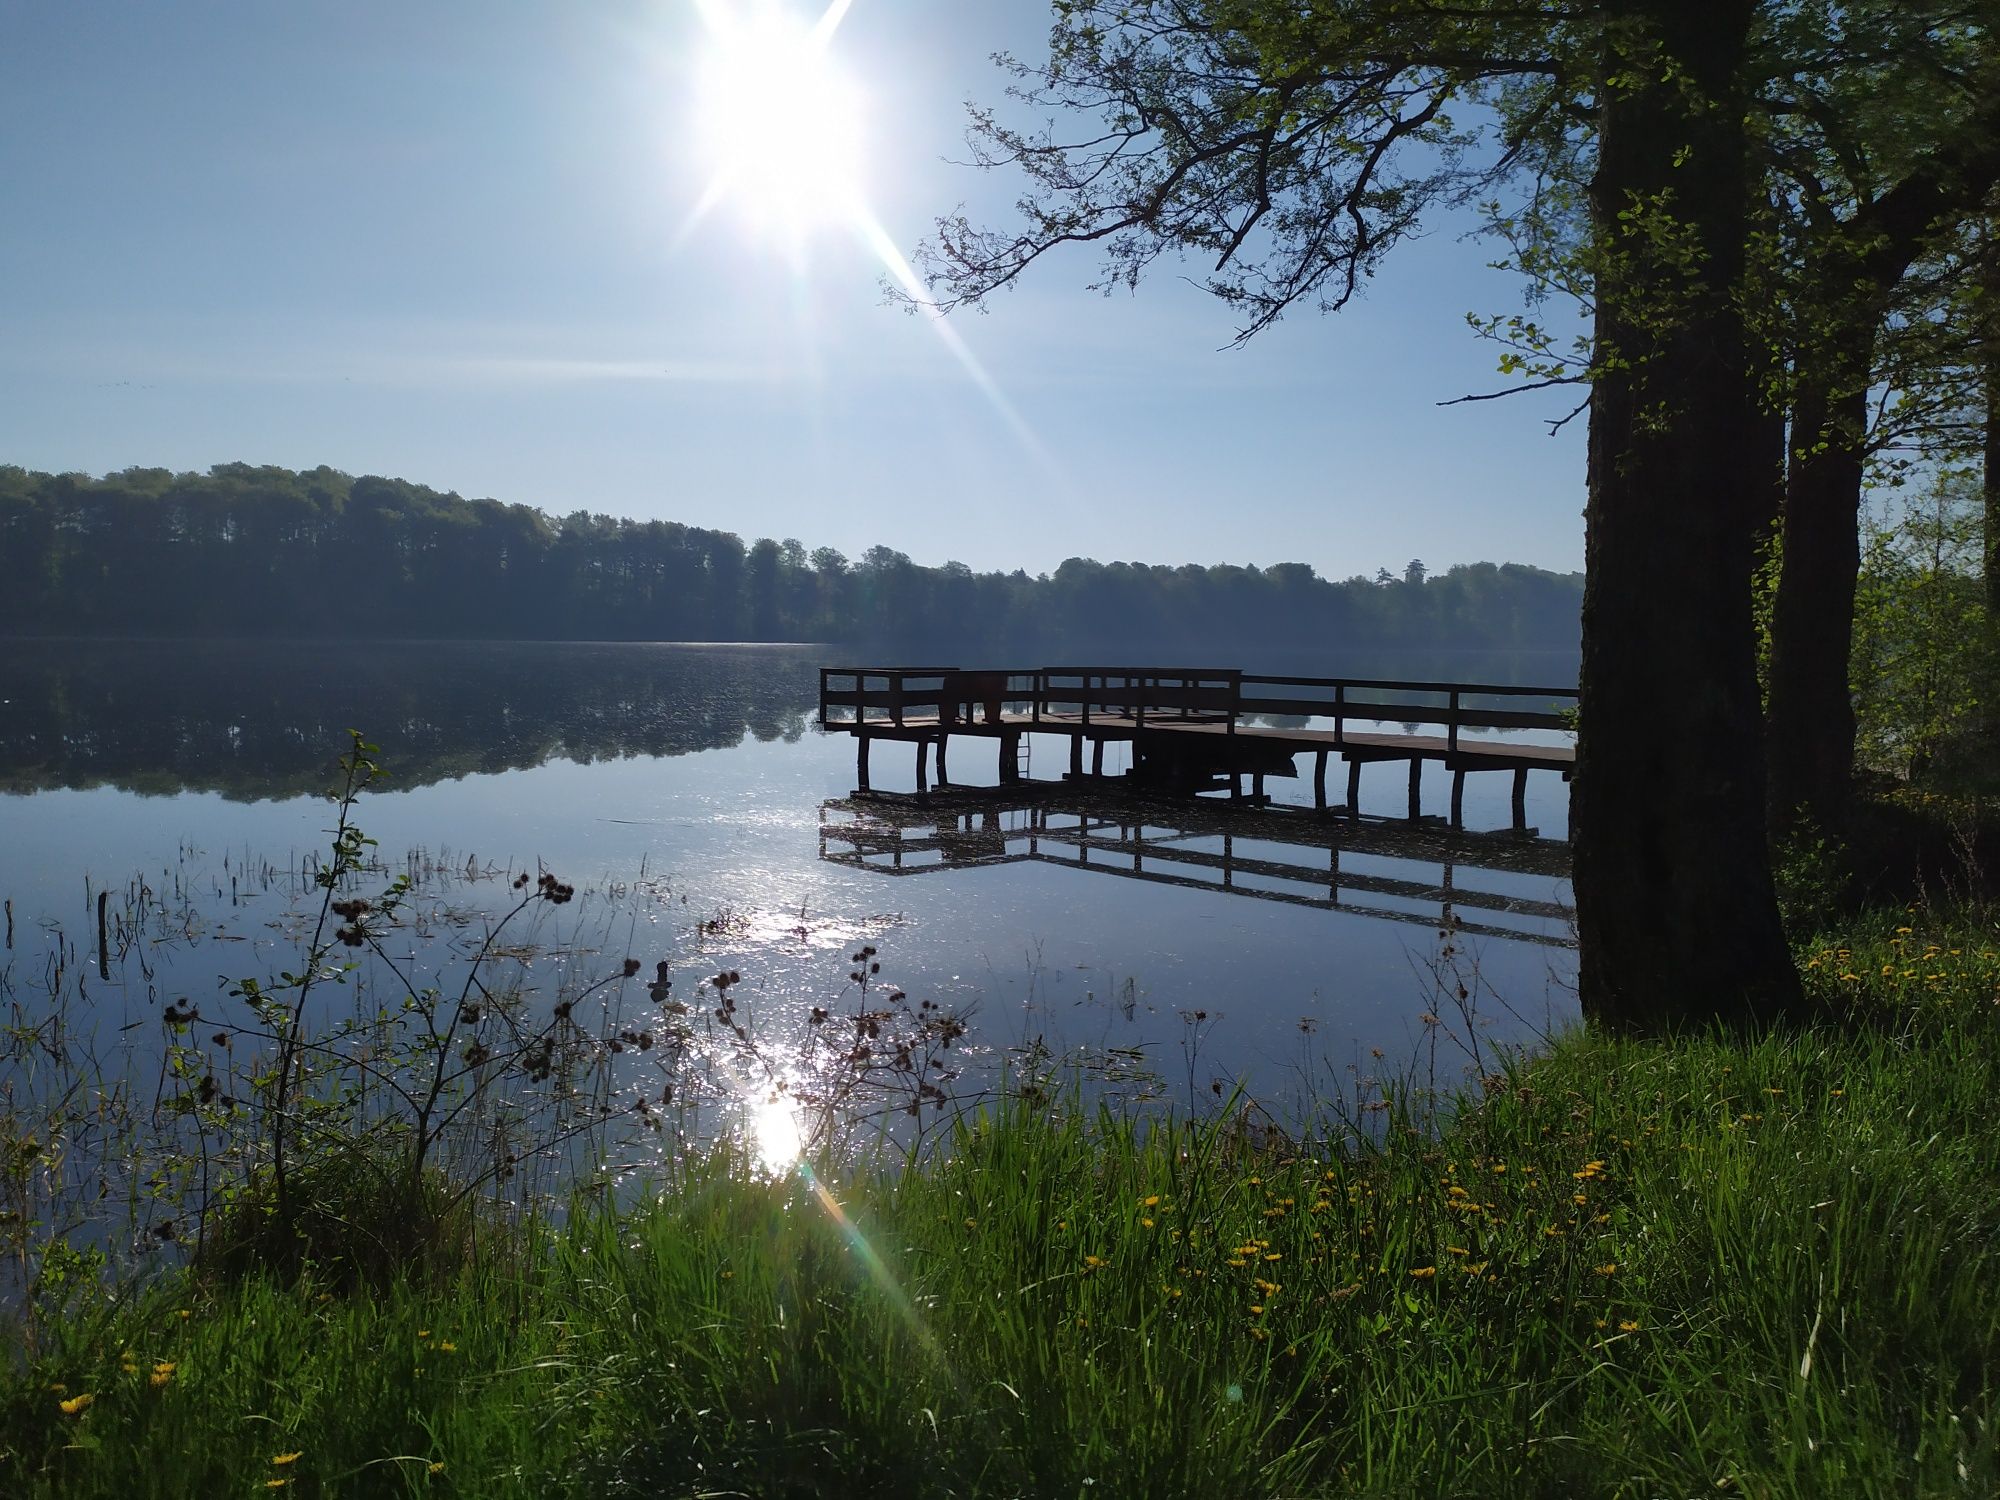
(1194, 730)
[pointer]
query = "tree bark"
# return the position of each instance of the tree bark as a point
(1810, 716)
(1676, 913)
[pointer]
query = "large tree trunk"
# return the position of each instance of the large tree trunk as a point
(1810, 739)
(1676, 912)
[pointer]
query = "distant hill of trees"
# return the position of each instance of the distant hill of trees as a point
(245, 550)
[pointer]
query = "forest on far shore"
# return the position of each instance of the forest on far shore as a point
(267, 551)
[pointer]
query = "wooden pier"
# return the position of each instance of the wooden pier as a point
(1194, 731)
(1392, 870)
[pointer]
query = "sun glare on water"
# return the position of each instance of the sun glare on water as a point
(775, 1134)
(778, 122)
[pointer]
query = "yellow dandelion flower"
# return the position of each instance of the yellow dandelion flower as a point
(1610, 1267)
(1456, 1250)
(1145, 1223)
(438, 1467)
(971, 1223)
(1628, 1325)
(1260, 1334)
(76, 1405)
(280, 1460)
(187, 1312)
(276, 1484)
(446, 1346)
(162, 1373)
(1423, 1273)
(1152, 1200)
(1275, 1255)
(1256, 1309)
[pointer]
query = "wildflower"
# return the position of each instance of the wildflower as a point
(76, 1405)
(438, 1467)
(1628, 1325)
(276, 1484)
(1579, 1198)
(1609, 1268)
(1152, 1200)
(187, 1312)
(446, 1346)
(1145, 1223)
(1256, 1309)
(1456, 1250)
(1424, 1273)
(1260, 1334)
(162, 1373)
(280, 1460)
(971, 1223)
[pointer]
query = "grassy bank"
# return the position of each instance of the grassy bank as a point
(1717, 1267)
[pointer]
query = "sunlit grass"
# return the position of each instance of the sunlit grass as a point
(1714, 1267)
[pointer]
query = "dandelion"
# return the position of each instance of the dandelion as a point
(971, 1223)
(276, 1484)
(446, 1346)
(1275, 1255)
(76, 1405)
(438, 1467)
(1260, 1334)
(162, 1373)
(1628, 1325)
(1609, 1268)
(280, 1460)
(187, 1312)
(1424, 1273)
(1145, 1223)
(1152, 1200)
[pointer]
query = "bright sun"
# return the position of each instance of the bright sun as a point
(777, 121)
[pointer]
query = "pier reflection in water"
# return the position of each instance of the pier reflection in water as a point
(1503, 885)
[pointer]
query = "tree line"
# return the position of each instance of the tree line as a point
(245, 550)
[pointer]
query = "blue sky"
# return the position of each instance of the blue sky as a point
(452, 242)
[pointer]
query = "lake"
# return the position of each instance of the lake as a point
(704, 820)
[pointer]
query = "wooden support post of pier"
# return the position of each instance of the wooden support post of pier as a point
(1416, 788)
(1010, 757)
(1257, 787)
(1458, 797)
(863, 741)
(1319, 781)
(943, 776)
(1076, 756)
(923, 766)
(1097, 757)
(1353, 788)
(1520, 798)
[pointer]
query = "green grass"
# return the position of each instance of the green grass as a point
(1713, 1267)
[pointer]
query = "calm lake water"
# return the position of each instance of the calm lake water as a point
(705, 821)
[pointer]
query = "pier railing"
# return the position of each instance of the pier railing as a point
(1374, 699)
(1114, 698)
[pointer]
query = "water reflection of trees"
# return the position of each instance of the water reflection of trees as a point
(253, 720)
